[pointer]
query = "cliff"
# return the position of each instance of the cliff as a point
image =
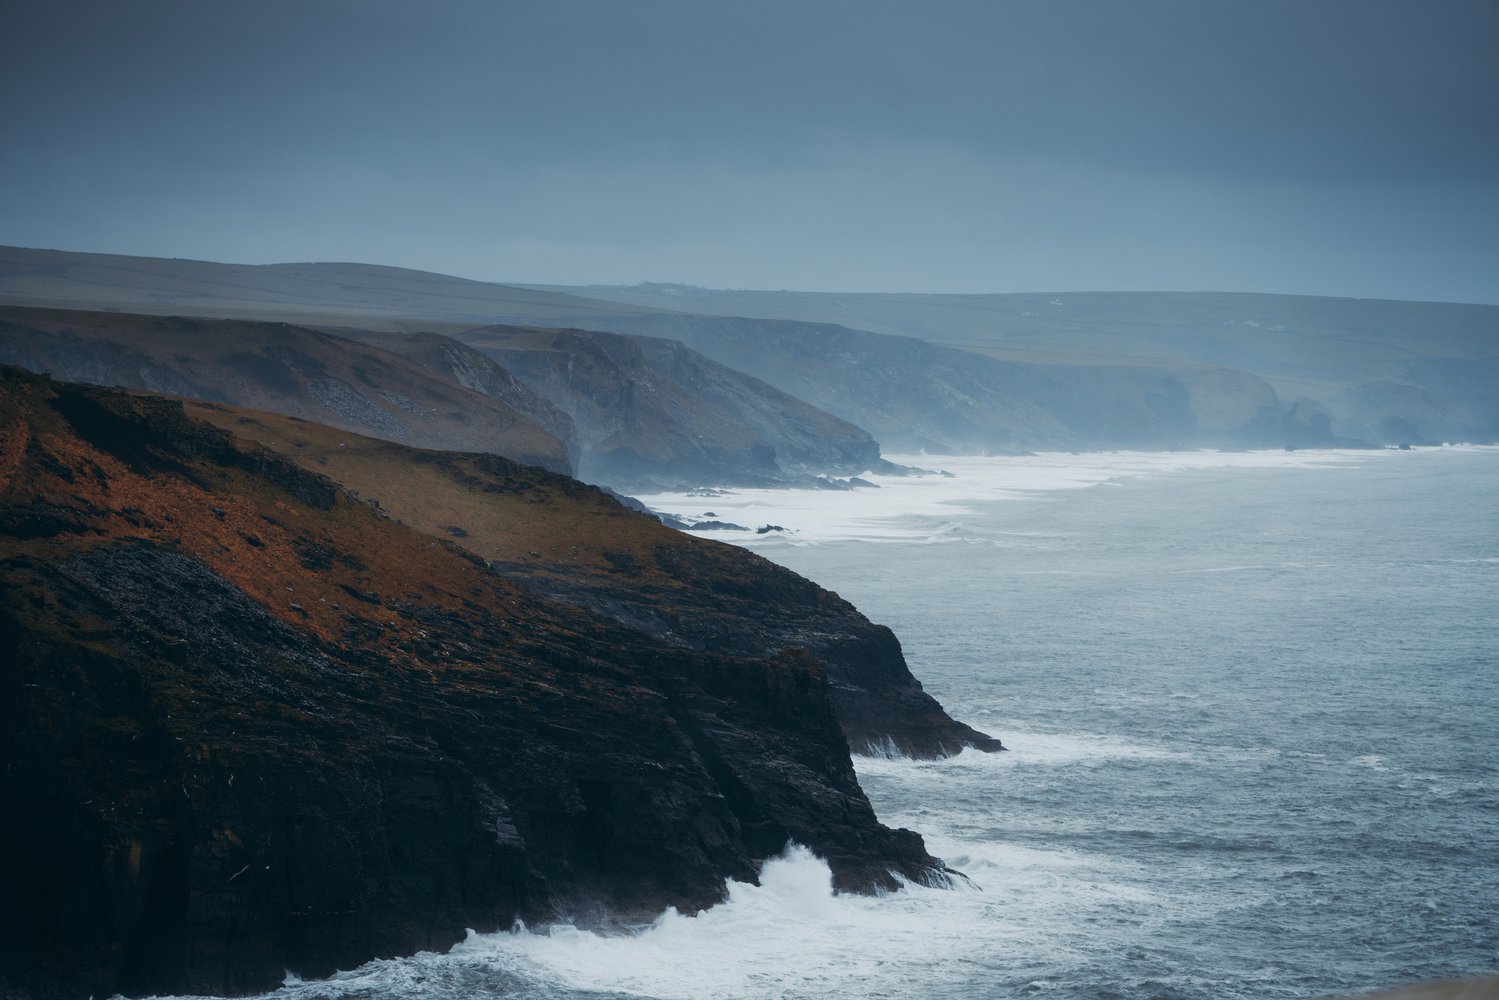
(455, 360)
(252, 723)
(653, 414)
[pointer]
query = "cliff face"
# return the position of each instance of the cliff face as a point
(455, 360)
(577, 545)
(254, 724)
(653, 414)
(274, 366)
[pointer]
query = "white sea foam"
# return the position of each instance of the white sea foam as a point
(792, 937)
(1030, 749)
(1038, 910)
(1373, 762)
(936, 509)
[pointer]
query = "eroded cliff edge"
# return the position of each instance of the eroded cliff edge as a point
(252, 723)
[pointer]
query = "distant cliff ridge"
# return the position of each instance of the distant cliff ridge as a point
(652, 414)
(262, 725)
(1079, 370)
(915, 395)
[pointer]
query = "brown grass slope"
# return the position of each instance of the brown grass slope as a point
(275, 366)
(252, 723)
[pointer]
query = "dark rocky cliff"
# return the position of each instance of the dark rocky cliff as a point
(250, 723)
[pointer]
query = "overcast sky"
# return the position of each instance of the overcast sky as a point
(1343, 148)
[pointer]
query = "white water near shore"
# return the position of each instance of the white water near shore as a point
(1249, 704)
(933, 506)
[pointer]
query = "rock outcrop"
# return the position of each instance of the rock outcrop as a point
(252, 723)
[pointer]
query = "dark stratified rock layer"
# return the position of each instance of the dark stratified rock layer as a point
(251, 724)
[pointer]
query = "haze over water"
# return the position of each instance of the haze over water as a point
(1249, 701)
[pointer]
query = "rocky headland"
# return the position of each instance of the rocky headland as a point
(253, 722)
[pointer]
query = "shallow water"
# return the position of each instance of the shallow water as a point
(1250, 705)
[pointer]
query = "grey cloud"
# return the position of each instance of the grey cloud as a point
(1174, 143)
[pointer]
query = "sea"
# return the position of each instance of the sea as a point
(1251, 706)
